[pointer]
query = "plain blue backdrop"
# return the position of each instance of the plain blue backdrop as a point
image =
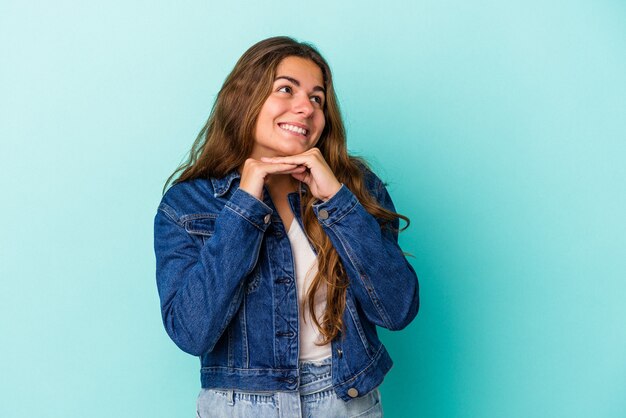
(500, 127)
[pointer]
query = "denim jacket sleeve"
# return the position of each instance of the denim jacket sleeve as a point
(201, 288)
(381, 279)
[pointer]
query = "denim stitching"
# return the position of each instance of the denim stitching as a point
(359, 329)
(170, 212)
(244, 333)
(240, 213)
(194, 216)
(341, 212)
(366, 282)
(197, 231)
(370, 364)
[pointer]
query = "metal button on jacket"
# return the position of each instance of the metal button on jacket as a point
(267, 218)
(323, 214)
(353, 393)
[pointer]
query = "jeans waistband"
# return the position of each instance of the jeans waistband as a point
(315, 376)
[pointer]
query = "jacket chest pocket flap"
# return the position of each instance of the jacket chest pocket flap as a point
(201, 224)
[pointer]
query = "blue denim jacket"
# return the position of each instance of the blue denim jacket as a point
(226, 281)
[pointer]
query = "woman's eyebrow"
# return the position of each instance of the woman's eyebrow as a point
(297, 83)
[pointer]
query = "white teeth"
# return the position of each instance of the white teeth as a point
(293, 128)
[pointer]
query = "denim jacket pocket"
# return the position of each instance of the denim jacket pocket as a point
(201, 224)
(352, 311)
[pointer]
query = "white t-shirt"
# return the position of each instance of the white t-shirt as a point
(306, 268)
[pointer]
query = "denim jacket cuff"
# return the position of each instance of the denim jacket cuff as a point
(250, 208)
(335, 208)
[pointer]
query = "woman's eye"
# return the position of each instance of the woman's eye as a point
(285, 89)
(317, 99)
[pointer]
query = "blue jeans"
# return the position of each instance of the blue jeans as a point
(315, 398)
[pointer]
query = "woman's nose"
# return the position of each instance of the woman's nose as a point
(303, 106)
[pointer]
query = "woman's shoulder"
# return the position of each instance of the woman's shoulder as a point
(187, 187)
(372, 181)
(188, 196)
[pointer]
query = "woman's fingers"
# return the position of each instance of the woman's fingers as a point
(310, 167)
(319, 177)
(278, 168)
(293, 159)
(298, 169)
(255, 172)
(301, 176)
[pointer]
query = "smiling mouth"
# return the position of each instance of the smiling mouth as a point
(293, 129)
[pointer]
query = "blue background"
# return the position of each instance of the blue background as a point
(499, 125)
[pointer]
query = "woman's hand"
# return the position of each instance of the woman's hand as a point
(255, 172)
(315, 172)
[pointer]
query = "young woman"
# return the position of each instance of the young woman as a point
(277, 252)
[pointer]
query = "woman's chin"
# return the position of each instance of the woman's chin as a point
(292, 151)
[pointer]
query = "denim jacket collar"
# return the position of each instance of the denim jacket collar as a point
(221, 185)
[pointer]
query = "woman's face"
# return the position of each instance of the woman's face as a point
(292, 117)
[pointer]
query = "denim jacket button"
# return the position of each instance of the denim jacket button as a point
(353, 393)
(267, 218)
(339, 352)
(323, 214)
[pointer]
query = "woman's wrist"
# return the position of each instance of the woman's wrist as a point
(333, 193)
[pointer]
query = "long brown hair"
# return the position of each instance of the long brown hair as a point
(227, 139)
